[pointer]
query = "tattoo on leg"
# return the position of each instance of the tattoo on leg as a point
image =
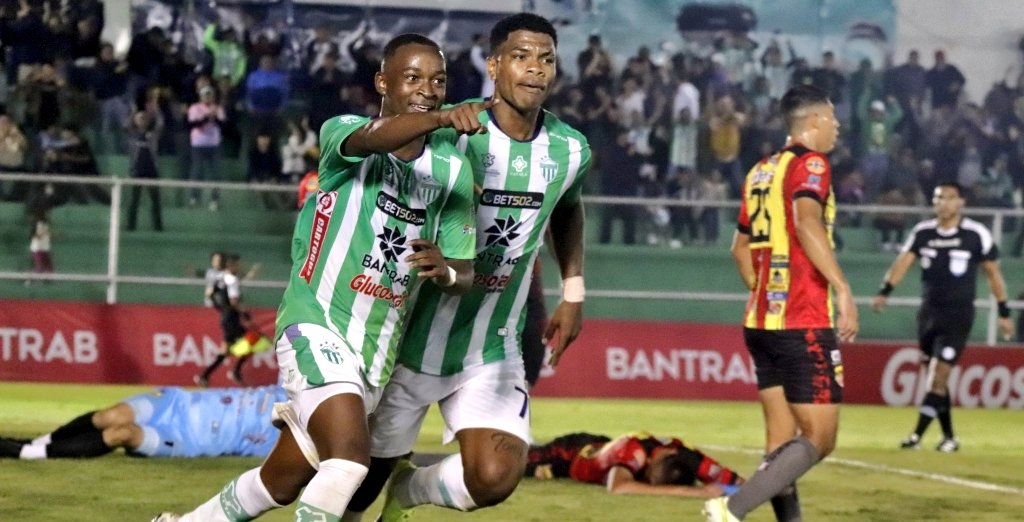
(507, 444)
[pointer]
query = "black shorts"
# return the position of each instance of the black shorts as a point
(231, 326)
(942, 331)
(806, 363)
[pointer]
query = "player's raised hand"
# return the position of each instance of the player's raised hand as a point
(463, 117)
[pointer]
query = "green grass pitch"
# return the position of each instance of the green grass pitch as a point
(866, 480)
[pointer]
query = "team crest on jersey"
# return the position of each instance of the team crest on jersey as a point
(348, 118)
(548, 168)
(487, 160)
(428, 189)
(815, 165)
(519, 166)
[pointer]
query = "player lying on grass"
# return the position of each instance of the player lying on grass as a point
(167, 422)
(635, 463)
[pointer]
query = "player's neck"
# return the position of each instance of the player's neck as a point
(516, 124)
(411, 150)
(950, 222)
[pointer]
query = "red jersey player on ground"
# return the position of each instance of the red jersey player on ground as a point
(635, 463)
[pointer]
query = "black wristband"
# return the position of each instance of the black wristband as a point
(885, 289)
(1004, 309)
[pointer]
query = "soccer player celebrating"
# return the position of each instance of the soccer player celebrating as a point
(783, 251)
(463, 352)
(394, 213)
(951, 247)
(168, 422)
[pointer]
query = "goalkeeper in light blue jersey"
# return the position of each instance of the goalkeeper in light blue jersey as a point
(167, 422)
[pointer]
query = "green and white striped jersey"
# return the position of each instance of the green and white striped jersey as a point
(350, 241)
(521, 182)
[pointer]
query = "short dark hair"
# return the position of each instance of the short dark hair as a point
(677, 469)
(800, 97)
(404, 39)
(953, 185)
(521, 22)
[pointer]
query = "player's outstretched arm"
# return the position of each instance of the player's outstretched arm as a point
(391, 133)
(810, 230)
(567, 243)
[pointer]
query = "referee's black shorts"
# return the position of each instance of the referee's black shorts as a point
(942, 331)
(805, 362)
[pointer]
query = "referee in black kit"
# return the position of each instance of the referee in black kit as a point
(950, 247)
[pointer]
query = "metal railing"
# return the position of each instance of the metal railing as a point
(112, 278)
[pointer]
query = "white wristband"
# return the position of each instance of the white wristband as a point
(452, 274)
(573, 289)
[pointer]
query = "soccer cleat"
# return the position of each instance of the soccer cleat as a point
(717, 510)
(201, 381)
(393, 510)
(913, 441)
(948, 445)
(166, 517)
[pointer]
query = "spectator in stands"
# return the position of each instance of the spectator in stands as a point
(205, 118)
(995, 186)
(570, 110)
(264, 166)
(878, 124)
(595, 69)
(144, 58)
(229, 59)
(685, 127)
(71, 154)
(829, 77)
(907, 83)
(324, 93)
(620, 177)
(44, 88)
(22, 36)
(944, 81)
(726, 124)
(683, 186)
(890, 225)
(39, 245)
(713, 188)
(301, 139)
(143, 131)
(775, 70)
(110, 87)
(478, 57)
(266, 94)
(13, 149)
(316, 50)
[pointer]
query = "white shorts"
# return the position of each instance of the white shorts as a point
(492, 395)
(310, 376)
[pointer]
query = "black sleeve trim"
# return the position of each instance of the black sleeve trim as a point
(744, 229)
(808, 194)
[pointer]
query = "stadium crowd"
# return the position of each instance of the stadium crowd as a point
(683, 126)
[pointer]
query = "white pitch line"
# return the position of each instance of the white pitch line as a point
(938, 477)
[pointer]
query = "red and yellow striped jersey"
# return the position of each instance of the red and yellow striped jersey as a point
(789, 292)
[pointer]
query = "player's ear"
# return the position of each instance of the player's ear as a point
(380, 83)
(492, 66)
